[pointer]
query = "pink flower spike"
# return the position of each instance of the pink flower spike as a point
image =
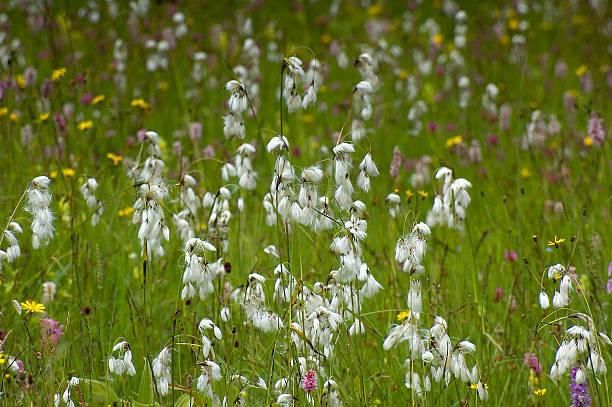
(310, 381)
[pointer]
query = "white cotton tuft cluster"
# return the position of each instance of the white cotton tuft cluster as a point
(199, 273)
(220, 215)
(39, 199)
(410, 249)
(450, 207)
(88, 190)
(162, 369)
(123, 364)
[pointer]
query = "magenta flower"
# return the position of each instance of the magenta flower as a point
(51, 329)
(511, 255)
(531, 360)
(596, 130)
(309, 383)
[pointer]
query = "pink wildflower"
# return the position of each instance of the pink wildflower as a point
(531, 360)
(309, 383)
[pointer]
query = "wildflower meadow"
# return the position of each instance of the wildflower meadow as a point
(305, 203)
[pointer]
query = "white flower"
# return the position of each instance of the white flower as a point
(544, 301)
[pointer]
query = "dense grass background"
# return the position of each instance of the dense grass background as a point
(98, 270)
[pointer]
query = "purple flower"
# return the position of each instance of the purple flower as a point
(596, 130)
(511, 255)
(531, 360)
(195, 131)
(86, 98)
(51, 329)
(309, 383)
(578, 392)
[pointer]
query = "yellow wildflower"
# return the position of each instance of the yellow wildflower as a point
(32, 306)
(140, 103)
(588, 141)
(409, 194)
(403, 315)
(2, 358)
(423, 194)
(555, 242)
(88, 124)
(43, 117)
(539, 392)
(97, 99)
(453, 141)
(3, 111)
(326, 38)
(68, 172)
(13, 117)
(307, 118)
(437, 39)
(126, 211)
(21, 81)
(504, 39)
(582, 69)
(57, 74)
(513, 24)
(53, 174)
(525, 173)
(116, 159)
(374, 10)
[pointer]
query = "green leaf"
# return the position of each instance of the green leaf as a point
(145, 393)
(97, 393)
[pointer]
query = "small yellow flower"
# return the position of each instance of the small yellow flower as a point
(453, 141)
(403, 74)
(403, 315)
(326, 38)
(87, 124)
(32, 306)
(572, 92)
(423, 194)
(539, 392)
(140, 103)
(21, 81)
(374, 10)
(504, 39)
(588, 141)
(2, 358)
(409, 194)
(97, 99)
(13, 117)
(307, 118)
(68, 172)
(556, 241)
(163, 86)
(126, 211)
(581, 70)
(53, 174)
(474, 386)
(43, 117)
(525, 173)
(116, 159)
(322, 89)
(57, 74)
(437, 39)
(513, 24)
(395, 191)
(3, 111)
